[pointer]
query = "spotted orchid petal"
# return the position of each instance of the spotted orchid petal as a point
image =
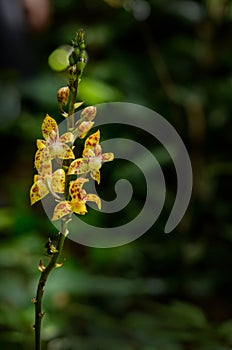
(107, 157)
(92, 140)
(45, 165)
(40, 144)
(42, 157)
(62, 209)
(77, 196)
(50, 129)
(95, 174)
(76, 186)
(38, 191)
(79, 207)
(88, 153)
(98, 150)
(58, 181)
(78, 166)
(93, 198)
(67, 137)
(37, 158)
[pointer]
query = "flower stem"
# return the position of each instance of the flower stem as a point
(77, 63)
(42, 281)
(71, 110)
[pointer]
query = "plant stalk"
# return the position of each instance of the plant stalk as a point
(75, 71)
(42, 282)
(71, 110)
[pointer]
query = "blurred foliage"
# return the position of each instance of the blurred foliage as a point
(160, 292)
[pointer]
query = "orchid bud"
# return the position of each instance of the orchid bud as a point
(81, 62)
(83, 128)
(72, 71)
(62, 95)
(88, 113)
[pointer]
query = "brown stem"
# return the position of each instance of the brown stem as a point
(42, 281)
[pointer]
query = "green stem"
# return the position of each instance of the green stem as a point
(42, 281)
(71, 109)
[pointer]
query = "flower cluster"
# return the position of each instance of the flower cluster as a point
(55, 162)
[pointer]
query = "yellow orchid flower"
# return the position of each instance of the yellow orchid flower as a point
(92, 158)
(47, 181)
(55, 144)
(78, 199)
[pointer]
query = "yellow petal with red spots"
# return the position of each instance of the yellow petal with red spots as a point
(67, 137)
(94, 198)
(95, 174)
(60, 150)
(75, 188)
(78, 166)
(40, 144)
(107, 157)
(45, 165)
(49, 127)
(37, 158)
(38, 191)
(62, 209)
(88, 153)
(58, 181)
(92, 140)
(79, 207)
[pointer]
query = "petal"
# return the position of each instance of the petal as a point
(75, 188)
(67, 137)
(49, 128)
(38, 191)
(53, 137)
(40, 144)
(84, 128)
(45, 164)
(94, 198)
(97, 150)
(58, 181)
(37, 158)
(92, 140)
(61, 150)
(107, 157)
(88, 153)
(78, 166)
(95, 174)
(79, 207)
(62, 209)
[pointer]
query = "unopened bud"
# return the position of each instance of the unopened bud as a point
(72, 71)
(62, 95)
(83, 128)
(88, 113)
(41, 266)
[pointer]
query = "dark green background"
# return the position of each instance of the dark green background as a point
(161, 292)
